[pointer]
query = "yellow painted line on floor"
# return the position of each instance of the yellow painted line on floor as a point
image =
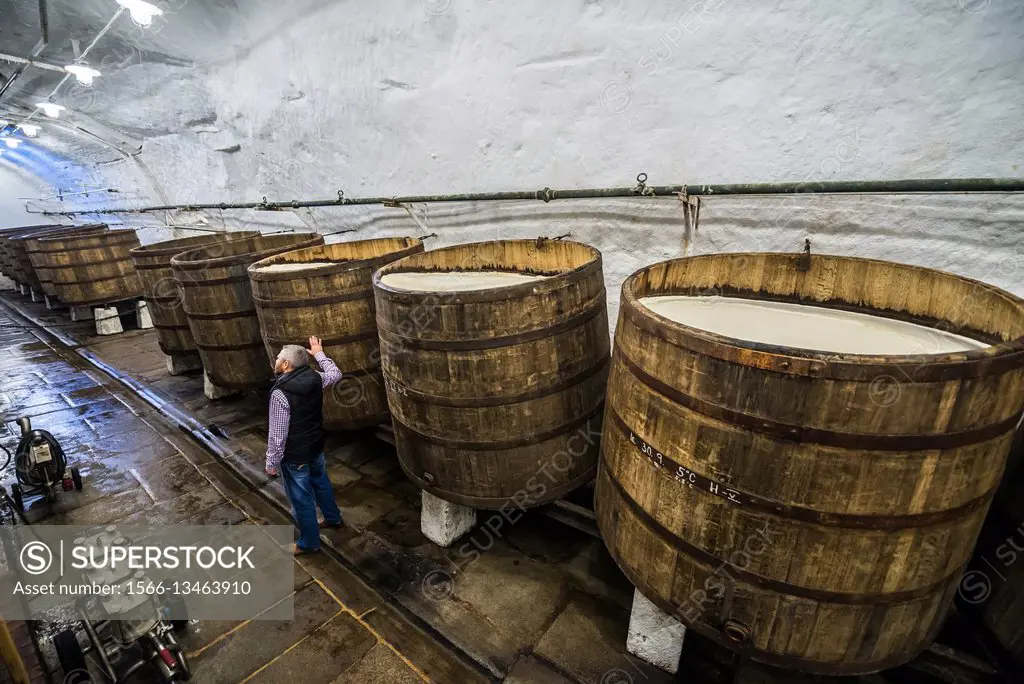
(222, 637)
(285, 651)
(380, 638)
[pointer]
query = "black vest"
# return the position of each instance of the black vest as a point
(303, 388)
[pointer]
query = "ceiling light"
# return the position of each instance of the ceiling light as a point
(51, 109)
(12, 142)
(84, 74)
(31, 130)
(142, 12)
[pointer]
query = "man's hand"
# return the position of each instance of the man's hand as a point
(314, 346)
(272, 472)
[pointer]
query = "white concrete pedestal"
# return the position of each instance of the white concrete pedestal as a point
(654, 636)
(108, 321)
(51, 304)
(22, 289)
(142, 317)
(81, 313)
(214, 392)
(442, 522)
(33, 294)
(176, 365)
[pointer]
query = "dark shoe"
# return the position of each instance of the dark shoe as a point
(299, 551)
(324, 525)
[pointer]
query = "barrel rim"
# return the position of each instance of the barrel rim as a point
(18, 240)
(550, 282)
(412, 246)
(72, 240)
(186, 261)
(169, 248)
(774, 357)
(32, 241)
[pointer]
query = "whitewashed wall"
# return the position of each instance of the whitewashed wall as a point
(436, 96)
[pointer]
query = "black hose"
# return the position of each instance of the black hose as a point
(8, 461)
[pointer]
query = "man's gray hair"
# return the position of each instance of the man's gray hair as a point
(294, 355)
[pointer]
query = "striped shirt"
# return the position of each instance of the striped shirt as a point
(280, 412)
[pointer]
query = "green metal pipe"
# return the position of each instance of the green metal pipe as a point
(934, 186)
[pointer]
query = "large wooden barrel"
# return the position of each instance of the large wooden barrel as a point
(216, 296)
(7, 256)
(93, 269)
(327, 291)
(993, 587)
(153, 262)
(16, 256)
(38, 261)
(814, 510)
(497, 393)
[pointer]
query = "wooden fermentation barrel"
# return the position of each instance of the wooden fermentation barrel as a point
(497, 393)
(16, 260)
(7, 255)
(814, 510)
(92, 269)
(993, 587)
(32, 247)
(327, 291)
(153, 262)
(217, 299)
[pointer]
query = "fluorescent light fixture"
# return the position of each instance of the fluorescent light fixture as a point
(31, 130)
(12, 142)
(51, 109)
(83, 73)
(142, 12)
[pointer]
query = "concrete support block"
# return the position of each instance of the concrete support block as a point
(22, 288)
(176, 365)
(108, 322)
(654, 636)
(214, 392)
(81, 313)
(34, 295)
(442, 522)
(142, 317)
(51, 304)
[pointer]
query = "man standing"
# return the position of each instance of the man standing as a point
(295, 440)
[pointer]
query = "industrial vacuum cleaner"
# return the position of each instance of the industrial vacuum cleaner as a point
(138, 634)
(41, 467)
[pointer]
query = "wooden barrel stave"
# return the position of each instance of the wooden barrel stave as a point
(216, 296)
(90, 270)
(711, 444)
(497, 394)
(153, 262)
(335, 303)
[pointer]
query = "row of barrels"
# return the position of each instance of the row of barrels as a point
(767, 496)
(78, 265)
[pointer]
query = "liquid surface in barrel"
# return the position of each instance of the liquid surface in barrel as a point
(216, 296)
(813, 509)
(153, 262)
(38, 260)
(327, 291)
(806, 327)
(496, 391)
(93, 269)
(455, 281)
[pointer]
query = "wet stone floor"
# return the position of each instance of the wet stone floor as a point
(530, 602)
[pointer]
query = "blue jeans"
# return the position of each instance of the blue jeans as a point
(307, 487)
